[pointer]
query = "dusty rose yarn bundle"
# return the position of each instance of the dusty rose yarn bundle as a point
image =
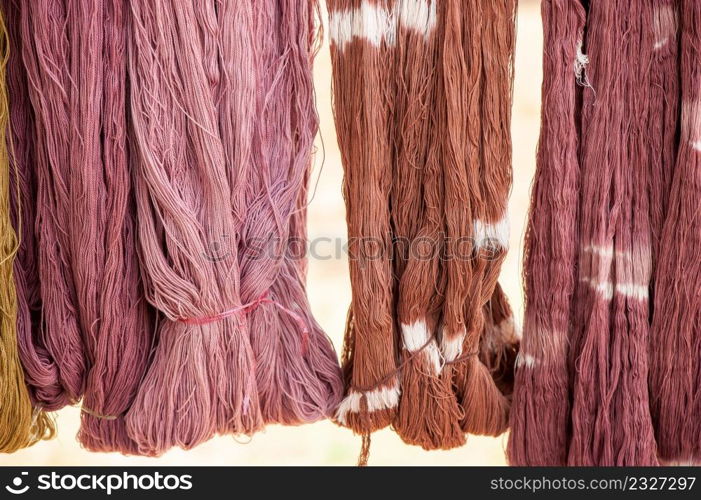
(162, 154)
(297, 371)
(84, 313)
(54, 355)
(675, 360)
(123, 324)
(237, 345)
(422, 96)
(608, 368)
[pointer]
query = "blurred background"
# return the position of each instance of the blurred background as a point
(329, 290)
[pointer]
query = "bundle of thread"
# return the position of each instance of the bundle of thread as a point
(422, 96)
(297, 370)
(675, 343)
(21, 422)
(222, 158)
(53, 351)
(160, 161)
(610, 329)
(91, 302)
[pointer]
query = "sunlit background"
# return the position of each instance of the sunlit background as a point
(329, 290)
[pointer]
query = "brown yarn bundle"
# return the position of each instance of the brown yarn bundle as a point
(489, 169)
(422, 96)
(363, 117)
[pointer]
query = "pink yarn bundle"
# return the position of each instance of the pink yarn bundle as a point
(201, 381)
(41, 373)
(162, 155)
(297, 370)
(118, 336)
(610, 419)
(55, 362)
(94, 338)
(223, 123)
(675, 367)
(609, 370)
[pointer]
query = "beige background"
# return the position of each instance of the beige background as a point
(329, 290)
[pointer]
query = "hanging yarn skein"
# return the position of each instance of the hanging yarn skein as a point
(675, 366)
(21, 425)
(422, 96)
(540, 407)
(428, 413)
(607, 309)
(202, 378)
(39, 371)
(56, 365)
(362, 34)
(486, 158)
(93, 341)
(297, 371)
(223, 136)
(118, 324)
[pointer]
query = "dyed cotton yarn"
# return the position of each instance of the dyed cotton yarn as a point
(422, 96)
(223, 153)
(675, 361)
(40, 370)
(21, 425)
(122, 325)
(608, 369)
(160, 157)
(94, 341)
(363, 126)
(297, 371)
(56, 364)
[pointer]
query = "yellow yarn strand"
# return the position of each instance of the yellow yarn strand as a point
(20, 424)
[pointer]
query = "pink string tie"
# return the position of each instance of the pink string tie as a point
(246, 308)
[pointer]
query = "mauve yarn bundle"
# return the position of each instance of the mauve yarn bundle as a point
(90, 303)
(675, 361)
(121, 327)
(160, 160)
(609, 365)
(223, 154)
(422, 97)
(40, 373)
(54, 355)
(297, 370)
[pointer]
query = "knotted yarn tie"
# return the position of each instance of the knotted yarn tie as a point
(387, 377)
(98, 415)
(241, 310)
(246, 308)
